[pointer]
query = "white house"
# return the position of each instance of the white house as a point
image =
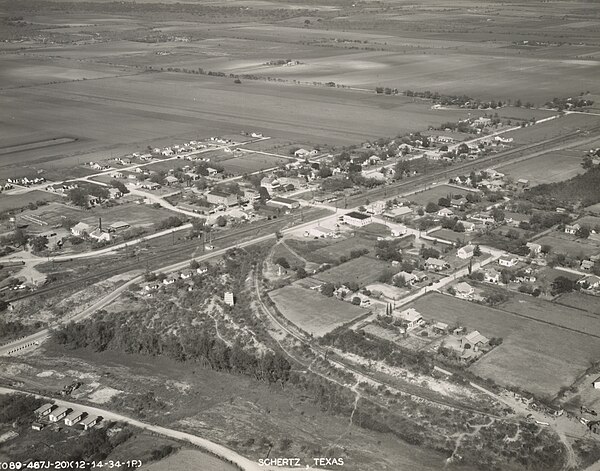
(284, 202)
(508, 261)
(57, 414)
(534, 248)
(464, 290)
(445, 213)
(354, 218)
(474, 340)
(590, 282)
(411, 317)
(228, 298)
(89, 422)
(73, 418)
(491, 276)
(466, 252)
(572, 229)
(81, 229)
(435, 264)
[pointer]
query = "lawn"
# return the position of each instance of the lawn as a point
(362, 270)
(313, 312)
(328, 250)
(536, 356)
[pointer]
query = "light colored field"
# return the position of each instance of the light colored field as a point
(313, 312)
(535, 356)
(551, 129)
(362, 270)
(547, 168)
(187, 460)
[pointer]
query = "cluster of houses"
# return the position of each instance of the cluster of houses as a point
(23, 181)
(186, 274)
(50, 413)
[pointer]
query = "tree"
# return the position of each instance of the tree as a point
(78, 197)
(283, 262)
(583, 233)
(301, 273)
(546, 249)
(477, 251)
(445, 202)
(327, 289)
(356, 301)
(431, 207)
(119, 186)
(198, 225)
(194, 265)
(19, 237)
(498, 214)
(562, 284)
(459, 227)
(221, 221)
(39, 243)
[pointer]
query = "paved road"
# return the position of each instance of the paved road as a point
(218, 450)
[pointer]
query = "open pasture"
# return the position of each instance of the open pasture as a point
(582, 301)
(11, 202)
(328, 250)
(434, 193)
(530, 349)
(313, 312)
(547, 168)
(362, 270)
(556, 127)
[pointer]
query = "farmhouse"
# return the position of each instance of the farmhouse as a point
(508, 261)
(58, 414)
(44, 410)
(81, 229)
(435, 264)
(474, 340)
(354, 218)
(220, 197)
(466, 252)
(464, 290)
(572, 229)
(74, 417)
(411, 317)
(284, 202)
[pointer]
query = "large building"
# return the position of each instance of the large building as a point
(354, 218)
(284, 203)
(220, 197)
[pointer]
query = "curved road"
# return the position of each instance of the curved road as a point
(214, 448)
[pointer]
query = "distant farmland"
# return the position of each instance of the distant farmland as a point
(536, 356)
(313, 312)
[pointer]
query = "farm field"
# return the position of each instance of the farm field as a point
(583, 301)
(530, 349)
(10, 202)
(556, 127)
(313, 312)
(548, 168)
(128, 113)
(362, 270)
(570, 245)
(251, 162)
(327, 250)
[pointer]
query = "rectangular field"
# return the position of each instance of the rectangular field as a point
(313, 312)
(570, 245)
(577, 300)
(546, 168)
(10, 202)
(536, 356)
(362, 270)
(434, 194)
(249, 163)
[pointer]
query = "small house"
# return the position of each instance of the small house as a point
(596, 383)
(466, 252)
(491, 276)
(37, 426)
(356, 219)
(534, 249)
(508, 261)
(411, 317)
(44, 410)
(74, 417)
(435, 264)
(89, 421)
(58, 414)
(464, 290)
(228, 298)
(81, 229)
(586, 265)
(445, 213)
(572, 229)
(474, 341)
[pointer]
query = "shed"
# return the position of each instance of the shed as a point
(89, 421)
(44, 410)
(58, 414)
(74, 417)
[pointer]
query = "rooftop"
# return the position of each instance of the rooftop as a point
(357, 215)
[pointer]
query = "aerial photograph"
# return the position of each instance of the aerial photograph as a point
(354, 235)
